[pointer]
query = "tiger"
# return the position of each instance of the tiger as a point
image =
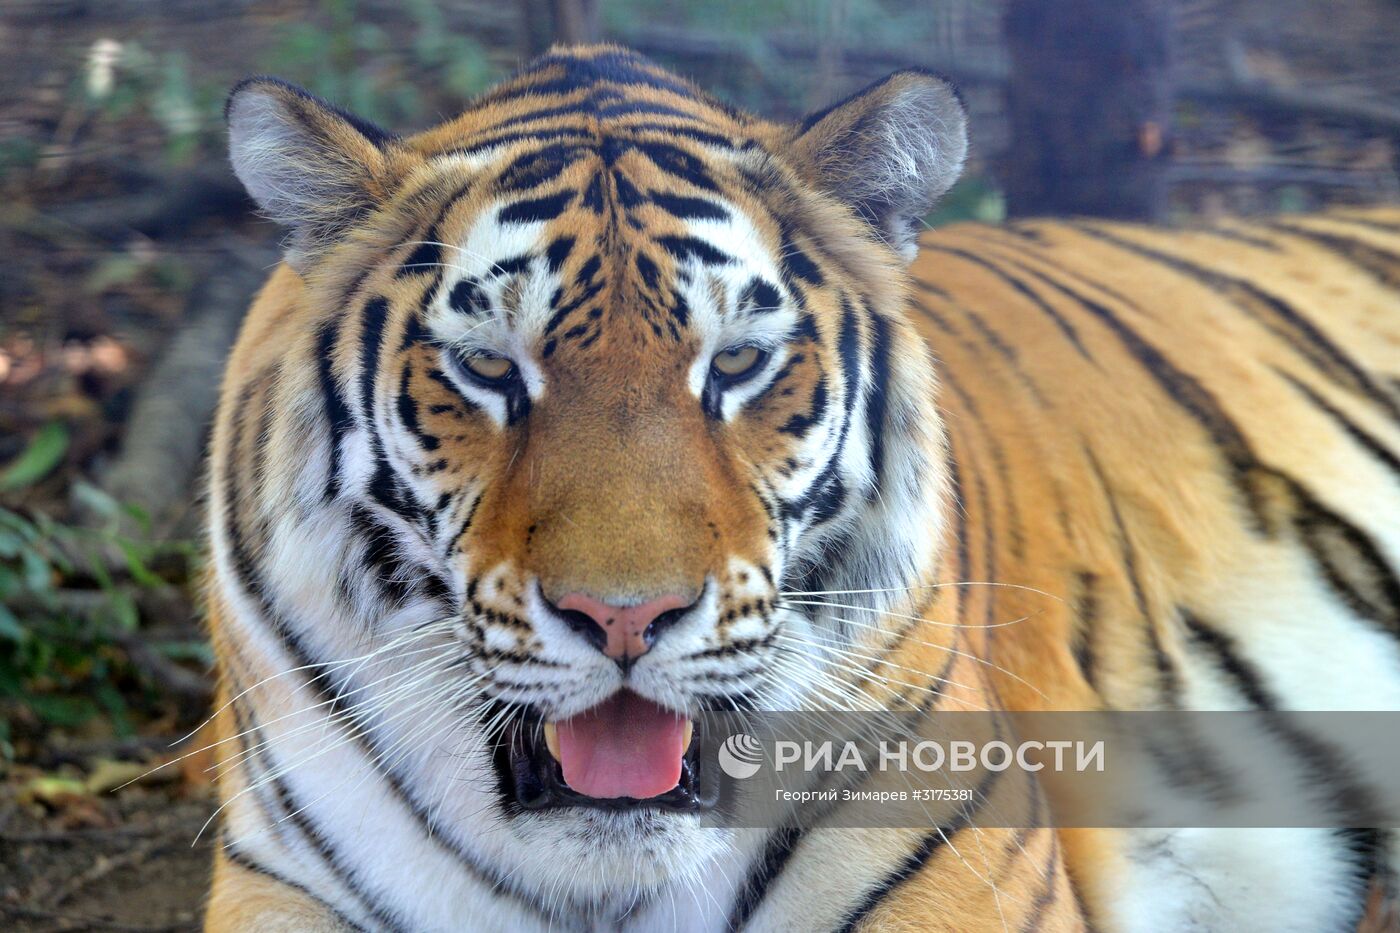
(604, 404)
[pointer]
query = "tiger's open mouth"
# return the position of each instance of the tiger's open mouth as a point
(625, 753)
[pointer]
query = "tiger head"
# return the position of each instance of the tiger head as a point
(572, 393)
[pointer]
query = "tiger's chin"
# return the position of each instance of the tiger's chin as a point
(603, 856)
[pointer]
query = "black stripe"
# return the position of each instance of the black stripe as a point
(759, 297)
(1380, 265)
(776, 855)
(1021, 289)
(1084, 615)
(647, 270)
(573, 134)
(559, 73)
(828, 493)
(300, 820)
(938, 320)
(1270, 311)
(877, 400)
(1368, 224)
(684, 247)
(1245, 675)
(689, 208)
(512, 266)
(562, 311)
(795, 262)
(1361, 578)
(468, 298)
(1238, 236)
(995, 340)
(624, 107)
(399, 578)
(375, 315)
(676, 162)
(929, 846)
(1168, 681)
(1031, 243)
(262, 440)
(1330, 773)
(1187, 392)
(337, 412)
(1198, 767)
(799, 424)
(700, 136)
(537, 209)
(1353, 430)
(538, 166)
(426, 257)
(558, 251)
(407, 407)
(1049, 887)
(245, 861)
(574, 108)
(959, 503)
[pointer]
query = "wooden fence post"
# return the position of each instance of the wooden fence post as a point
(1089, 100)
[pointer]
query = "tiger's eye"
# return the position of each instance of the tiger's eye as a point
(490, 368)
(738, 361)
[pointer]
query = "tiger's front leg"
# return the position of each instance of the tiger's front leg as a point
(243, 899)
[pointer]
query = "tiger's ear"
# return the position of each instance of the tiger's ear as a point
(889, 151)
(311, 167)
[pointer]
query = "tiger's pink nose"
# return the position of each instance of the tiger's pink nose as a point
(623, 633)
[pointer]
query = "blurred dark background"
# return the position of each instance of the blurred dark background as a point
(128, 254)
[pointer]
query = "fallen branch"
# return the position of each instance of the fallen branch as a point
(163, 440)
(64, 922)
(167, 210)
(1294, 103)
(169, 676)
(677, 43)
(1275, 175)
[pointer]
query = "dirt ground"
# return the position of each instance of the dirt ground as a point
(126, 860)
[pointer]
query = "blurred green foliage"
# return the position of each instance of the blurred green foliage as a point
(974, 197)
(68, 596)
(354, 64)
(335, 53)
(850, 21)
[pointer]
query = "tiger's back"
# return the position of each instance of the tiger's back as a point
(1192, 437)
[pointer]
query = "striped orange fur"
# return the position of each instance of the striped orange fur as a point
(488, 379)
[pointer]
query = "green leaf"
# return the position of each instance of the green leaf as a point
(138, 515)
(136, 566)
(96, 499)
(124, 611)
(10, 543)
(38, 572)
(99, 569)
(62, 710)
(45, 451)
(110, 698)
(198, 651)
(10, 627)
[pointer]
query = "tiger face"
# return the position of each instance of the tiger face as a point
(571, 391)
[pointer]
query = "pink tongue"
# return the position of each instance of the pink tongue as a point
(626, 746)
